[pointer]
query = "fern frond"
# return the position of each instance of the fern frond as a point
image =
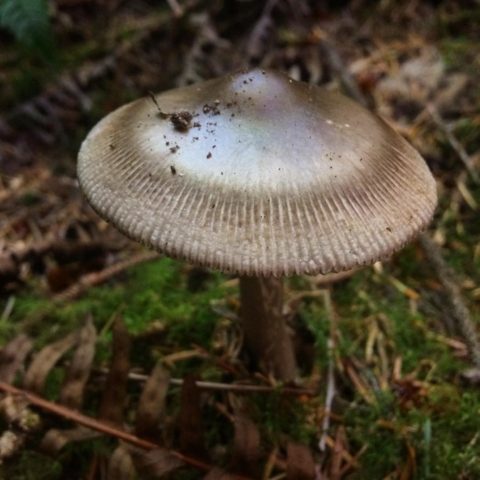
(28, 21)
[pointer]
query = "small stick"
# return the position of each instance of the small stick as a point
(82, 285)
(331, 370)
(452, 140)
(160, 111)
(176, 8)
(100, 426)
(347, 80)
(460, 311)
(7, 311)
(95, 278)
(239, 388)
(226, 387)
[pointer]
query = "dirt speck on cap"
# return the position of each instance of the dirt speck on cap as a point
(212, 109)
(181, 121)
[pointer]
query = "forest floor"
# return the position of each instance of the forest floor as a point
(390, 387)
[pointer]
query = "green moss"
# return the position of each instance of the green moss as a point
(279, 416)
(441, 429)
(155, 291)
(31, 465)
(459, 53)
(443, 433)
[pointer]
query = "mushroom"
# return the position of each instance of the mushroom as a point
(257, 174)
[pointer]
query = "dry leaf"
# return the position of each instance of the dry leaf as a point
(78, 372)
(114, 393)
(155, 463)
(220, 474)
(16, 411)
(300, 463)
(408, 468)
(54, 440)
(12, 357)
(120, 465)
(472, 376)
(44, 361)
(246, 445)
(341, 459)
(10, 444)
(151, 406)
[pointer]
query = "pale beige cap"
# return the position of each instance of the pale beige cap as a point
(257, 174)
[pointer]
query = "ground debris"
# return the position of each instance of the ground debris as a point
(73, 388)
(404, 402)
(12, 357)
(151, 406)
(44, 361)
(115, 390)
(120, 465)
(300, 463)
(157, 462)
(246, 444)
(190, 423)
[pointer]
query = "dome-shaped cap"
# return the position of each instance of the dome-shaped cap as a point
(257, 174)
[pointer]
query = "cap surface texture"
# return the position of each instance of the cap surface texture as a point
(257, 174)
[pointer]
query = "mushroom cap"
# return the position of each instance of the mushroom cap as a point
(257, 174)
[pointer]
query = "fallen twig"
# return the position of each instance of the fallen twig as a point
(460, 311)
(452, 140)
(102, 427)
(82, 285)
(92, 279)
(58, 248)
(206, 34)
(176, 8)
(338, 67)
(331, 343)
(254, 48)
(227, 387)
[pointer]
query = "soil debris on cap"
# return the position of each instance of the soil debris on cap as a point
(213, 109)
(181, 121)
(280, 188)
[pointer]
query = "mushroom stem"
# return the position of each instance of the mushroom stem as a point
(266, 333)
